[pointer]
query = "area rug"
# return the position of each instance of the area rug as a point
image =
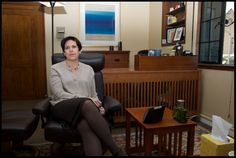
(199, 130)
(75, 149)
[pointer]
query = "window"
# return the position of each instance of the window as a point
(228, 49)
(216, 43)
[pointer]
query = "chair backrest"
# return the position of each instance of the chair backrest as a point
(143, 52)
(95, 60)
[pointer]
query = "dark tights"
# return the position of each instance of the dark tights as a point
(94, 131)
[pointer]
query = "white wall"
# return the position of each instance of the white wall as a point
(155, 27)
(217, 94)
(134, 27)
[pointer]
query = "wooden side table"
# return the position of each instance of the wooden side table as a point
(169, 132)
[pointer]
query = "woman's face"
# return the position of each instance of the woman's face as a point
(71, 50)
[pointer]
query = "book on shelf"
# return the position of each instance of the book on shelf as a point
(171, 19)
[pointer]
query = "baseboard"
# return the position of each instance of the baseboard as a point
(208, 121)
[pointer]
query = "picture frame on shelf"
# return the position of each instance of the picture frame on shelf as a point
(170, 35)
(178, 33)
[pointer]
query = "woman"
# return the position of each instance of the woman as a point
(75, 100)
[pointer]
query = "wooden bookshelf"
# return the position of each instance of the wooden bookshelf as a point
(178, 11)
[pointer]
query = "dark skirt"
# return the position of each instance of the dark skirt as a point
(68, 111)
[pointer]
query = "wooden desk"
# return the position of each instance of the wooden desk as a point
(152, 63)
(169, 133)
(114, 59)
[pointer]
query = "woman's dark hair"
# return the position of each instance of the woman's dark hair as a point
(64, 40)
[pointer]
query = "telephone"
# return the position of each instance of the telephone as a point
(154, 114)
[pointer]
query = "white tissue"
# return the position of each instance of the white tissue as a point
(220, 128)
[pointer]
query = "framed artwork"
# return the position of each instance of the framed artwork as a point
(170, 35)
(99, 23)
(178, 33)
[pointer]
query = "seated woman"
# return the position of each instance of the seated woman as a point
(75, 100)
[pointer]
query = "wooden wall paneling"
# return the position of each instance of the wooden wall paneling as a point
(23, 51)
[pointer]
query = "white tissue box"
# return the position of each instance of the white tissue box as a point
(213, 147)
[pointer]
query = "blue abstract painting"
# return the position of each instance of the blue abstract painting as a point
(100, 22)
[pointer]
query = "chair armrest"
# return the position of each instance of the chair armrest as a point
(42, 108)
(111, 104)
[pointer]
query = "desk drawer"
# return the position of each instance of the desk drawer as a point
(117, 60)
(114, 59)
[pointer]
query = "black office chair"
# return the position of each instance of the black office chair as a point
(143, 52)
(59, 133)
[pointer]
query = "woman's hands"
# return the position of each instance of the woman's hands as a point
(97, 102)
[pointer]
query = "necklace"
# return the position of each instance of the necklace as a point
(72, 65)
